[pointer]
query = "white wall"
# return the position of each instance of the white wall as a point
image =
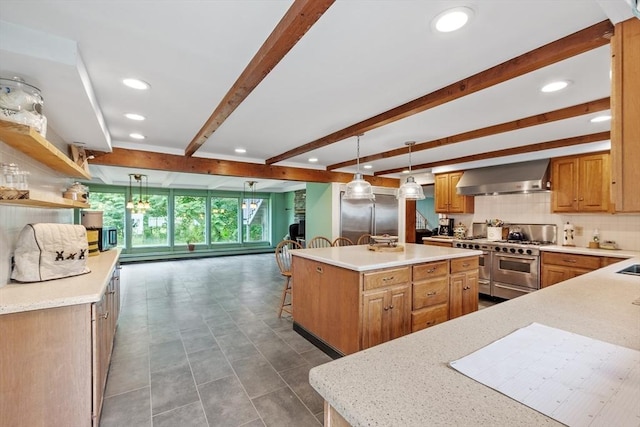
(14, 218)
(535, 208)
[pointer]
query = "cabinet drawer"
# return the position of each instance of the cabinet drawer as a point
(430, 293)
(464, 264)
(383, 278)
(571, 260)
(430, 270)
(430, 316)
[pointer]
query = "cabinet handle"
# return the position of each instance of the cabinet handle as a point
(431, 322)
(386, 308)
(386, 279)
(573, 261)
(391, 307)
(319, 270)
(466, 264)
(575, 200)
(106, 315)
(581, 198)
(431, 270)
(432, 293)
(111, 292)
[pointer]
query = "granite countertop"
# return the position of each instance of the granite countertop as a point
(408, 382)
(614, 253)
(86, 288)
(359, 258)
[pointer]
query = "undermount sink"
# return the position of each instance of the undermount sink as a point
(632, 269)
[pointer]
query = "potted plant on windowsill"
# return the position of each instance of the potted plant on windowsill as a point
(192, 237)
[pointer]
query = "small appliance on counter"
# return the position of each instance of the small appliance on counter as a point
(107, 236)
(445, 226)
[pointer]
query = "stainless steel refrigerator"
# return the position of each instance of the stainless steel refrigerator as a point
(358, 217)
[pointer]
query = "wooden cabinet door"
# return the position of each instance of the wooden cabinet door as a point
(456, 285)
(99, 355)
(399, 313)
(463, 293)
(441, 193)
(470, 293)
(564, 191)
(552, 274)
(456, 202)
(594, 183)
(373, 317)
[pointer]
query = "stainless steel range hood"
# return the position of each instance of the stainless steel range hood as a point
(523, 177)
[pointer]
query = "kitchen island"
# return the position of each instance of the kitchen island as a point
(349, 298)
(408, 381)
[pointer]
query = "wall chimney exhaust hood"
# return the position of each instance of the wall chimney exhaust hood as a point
(523, 177)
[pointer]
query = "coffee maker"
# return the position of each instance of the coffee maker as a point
(445, 226)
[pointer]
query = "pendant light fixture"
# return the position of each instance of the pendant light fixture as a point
(252, 186)
(141, 205)
(244, 197)
(130, 199)
(358, 188)
(410, 190)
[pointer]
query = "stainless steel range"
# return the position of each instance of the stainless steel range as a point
(510, 268)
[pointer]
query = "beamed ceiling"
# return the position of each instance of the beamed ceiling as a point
(288, 81)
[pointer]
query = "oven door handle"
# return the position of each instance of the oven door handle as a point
(515, 257)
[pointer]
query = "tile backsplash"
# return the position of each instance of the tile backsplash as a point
(535, 208)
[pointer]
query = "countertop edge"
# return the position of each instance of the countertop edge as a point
(82, 289)
(409, 259)
(579, 250)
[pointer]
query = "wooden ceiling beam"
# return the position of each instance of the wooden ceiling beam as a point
(538, 119)
(574, 44)
(173, 163)
(294, 24)
(558, 143)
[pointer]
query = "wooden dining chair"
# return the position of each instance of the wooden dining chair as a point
(342, 241)
(319, 242)
(365, 239)
(283, 258)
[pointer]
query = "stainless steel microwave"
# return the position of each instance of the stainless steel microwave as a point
(108, 238)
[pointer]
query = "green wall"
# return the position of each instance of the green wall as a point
(318, 210)
(427, 208)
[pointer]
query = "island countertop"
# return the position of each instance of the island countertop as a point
(359, 258)
(85, 288)
(408, 381)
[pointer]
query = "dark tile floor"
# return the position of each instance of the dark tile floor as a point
(199, 343)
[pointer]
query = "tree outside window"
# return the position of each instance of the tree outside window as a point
(190, 223)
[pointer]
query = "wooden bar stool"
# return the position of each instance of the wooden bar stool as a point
(342, 241)
(283, 258)
(319, 242)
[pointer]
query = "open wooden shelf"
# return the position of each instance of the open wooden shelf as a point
(26, 198)
(24, 138)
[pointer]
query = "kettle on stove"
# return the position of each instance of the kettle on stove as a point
(515, 233)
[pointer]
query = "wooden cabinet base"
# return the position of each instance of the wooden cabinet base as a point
(45, 367)
(332, 418)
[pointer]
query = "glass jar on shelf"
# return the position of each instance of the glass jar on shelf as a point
(22, 103)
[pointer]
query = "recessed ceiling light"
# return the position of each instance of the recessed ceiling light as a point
(555, 86)
(599, 119)
(313, 160)
(134, 116)
(240, 150)
(136, 84)
(367, 166)
(137, 136)
(452, 19)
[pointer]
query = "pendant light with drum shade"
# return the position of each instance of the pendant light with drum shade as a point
(358, 188)
(410, 190)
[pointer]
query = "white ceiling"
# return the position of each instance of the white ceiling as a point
(361, 58)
